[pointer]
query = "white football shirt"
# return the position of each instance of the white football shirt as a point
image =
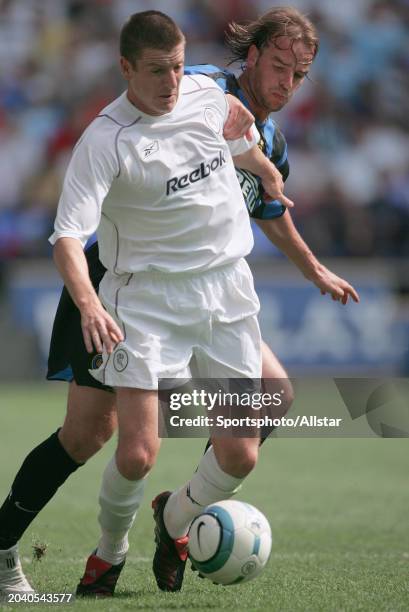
(161, 192)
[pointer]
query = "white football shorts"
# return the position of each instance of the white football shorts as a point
(168, 319)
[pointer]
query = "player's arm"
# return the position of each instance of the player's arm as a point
(257, 163)
(284, 235)
(98, 327)
(88, 179)
(239, 120)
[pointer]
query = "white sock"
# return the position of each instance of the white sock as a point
(208, 484)
(9, 557)
(12, 579)
(119, 501)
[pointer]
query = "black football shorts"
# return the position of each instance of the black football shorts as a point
(68, 358)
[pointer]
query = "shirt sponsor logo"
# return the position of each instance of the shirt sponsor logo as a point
(200, 173)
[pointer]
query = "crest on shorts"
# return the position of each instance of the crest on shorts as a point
(213, 120)
(97, 361)
(120, 360)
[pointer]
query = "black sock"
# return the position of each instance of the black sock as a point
(43, 471)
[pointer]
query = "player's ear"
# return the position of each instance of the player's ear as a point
(126, 68)
(252, 56)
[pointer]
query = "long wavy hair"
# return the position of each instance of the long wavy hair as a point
(274, 25)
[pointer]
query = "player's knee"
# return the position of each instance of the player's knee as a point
(248, 461)
(239, 462)
(282, 389)
(81, 447)
(104, 432)
(136, 463)
(82, 450)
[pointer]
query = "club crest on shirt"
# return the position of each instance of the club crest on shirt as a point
(120, 360)
(213, 120)
(150, 149)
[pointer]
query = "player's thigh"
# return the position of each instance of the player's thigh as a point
(271, 366)
(90, 421)
(275, 380)
(138, 440)
(236, 456)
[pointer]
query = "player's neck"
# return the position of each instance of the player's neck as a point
(259, 112)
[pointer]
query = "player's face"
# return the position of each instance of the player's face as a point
(276, 71)
(154, 79)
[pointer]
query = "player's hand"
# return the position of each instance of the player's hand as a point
(99, 329)
(239, 121)
(339, 289)
(273, 185)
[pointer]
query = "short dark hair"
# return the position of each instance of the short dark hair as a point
(276, 23)
(148, 29)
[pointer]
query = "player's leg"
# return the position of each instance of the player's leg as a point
(275, 379)
(273, 374)
(222, 469)
(124, 478)
(231, 349)
(271, 366)
(219, 475)
(227, 462)
(122, 488)
(89, 423)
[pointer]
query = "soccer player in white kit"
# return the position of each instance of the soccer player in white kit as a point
(155, 176)
(91, 414)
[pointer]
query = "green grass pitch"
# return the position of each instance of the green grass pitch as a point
(339, 511)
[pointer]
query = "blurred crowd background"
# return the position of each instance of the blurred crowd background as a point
(347, 128)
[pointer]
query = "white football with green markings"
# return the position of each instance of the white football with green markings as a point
(230, 542)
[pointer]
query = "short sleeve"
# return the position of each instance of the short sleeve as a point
(88, 179)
